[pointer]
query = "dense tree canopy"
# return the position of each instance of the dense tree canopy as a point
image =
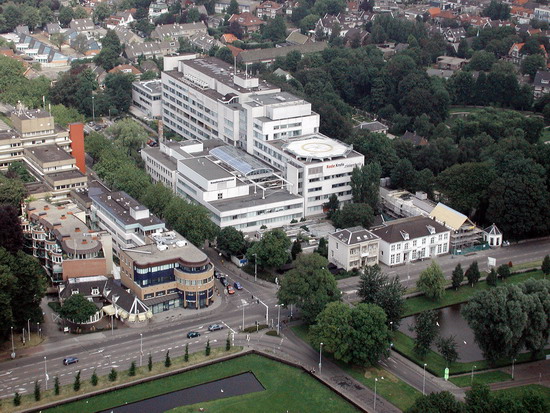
(77, 308)
(272, 250)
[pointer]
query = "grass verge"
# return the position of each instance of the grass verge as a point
(487, 377)
(404, 344)
(27, 400)
(542, 391)
(391, 388)
(421, 303)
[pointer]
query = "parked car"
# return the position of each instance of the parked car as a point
(230, 290)
(238, 285)
(70, 360)
(217, 274)
(214, 327)
(193, 334)
(224, 282)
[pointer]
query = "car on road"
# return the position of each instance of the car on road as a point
(193, 334)
(224, 282)
(70, 360)
(238, 285)
(214, 327)
(230, 290)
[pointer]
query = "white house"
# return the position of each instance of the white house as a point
(410, 239)
(353, 248)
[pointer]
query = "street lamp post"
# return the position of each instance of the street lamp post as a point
(243, 317)
(140, 349)
(375, 383)
(320, 355)
(38, 328)
(255, 267)
(472, 378)
(513, 362)
(29, 328)
(46, 373)
(424, 381)
(12, 345)
(278, 318)
(93, 109)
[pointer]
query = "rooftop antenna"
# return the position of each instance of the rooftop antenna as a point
(44, 102)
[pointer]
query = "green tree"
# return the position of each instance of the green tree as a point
(457, 277)
(56, 385)
(432, 282)
(272, 250)
(12, 191)
(31, 17)
(66, 14)
(118, 88)
(11, 236)
(492, 278)
(64, 115)
(365, 184)
(545, 265)
(231, 241)
(310, 286)
(46, 15)
(403, 175)
(497, 10)
(207, 349)
(17, 399)
(36, 390)
(447, 349)
(532, 64)
(76, 384)
(503, 271)
(308, 23)
(132, 369)
(227, 343)
(233, 8)
(113, 375)
(101, 12)
(156, 198)
(425, 330)
(472, 273)
(296, 249)
(482, 60)
(436, 403)
(224, 53)
(77, 308)
(58, 40)
(275, 29)
(150, 362)
(322, 248)
(167, 360)
(352, 215)
(357, 335)
(191, 221)
(94, 379)
(332, 205)
(109, 56)
(128, 134)
(186, 355)
(376, 287)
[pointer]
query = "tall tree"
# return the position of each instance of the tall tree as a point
(233, 8)
(472, 273)
(492, 278)
(310, 286)
(272, 250)
(365, 184)
(231, 241)
(12, 192)
(11, 236)
(432, 282)
(275, 29)
(332, 205)
(352, 215)
(77, 308)
(376, 287)
(357, 335)
(109, 56)
(436, 403)
(128, 134)
(426, 331)
(546, 265)
(447, 349)
(457, 277)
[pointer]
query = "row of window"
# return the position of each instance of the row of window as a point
(440, 237)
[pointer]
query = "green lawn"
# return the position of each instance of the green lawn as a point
(391, 388)
(520, 390)
(487, 377)
(287, 388)
(404, 344)
(421, 303)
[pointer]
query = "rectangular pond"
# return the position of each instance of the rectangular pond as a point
(231, 386)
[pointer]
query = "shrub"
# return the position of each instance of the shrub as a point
(56, 385)
(17, 399)
(207, 350)
(132, 369)
(113, 375)
(272, 333)
(94, 379)
(76, 384)
(150, 362)
(167, 360)
(186, 355)
(36, 391)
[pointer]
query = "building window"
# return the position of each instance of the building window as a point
(220, 196)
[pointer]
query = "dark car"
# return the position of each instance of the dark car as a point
(238, 285)
(217, 274)
(70, 360)
(224, 282)
(193, 334)
(214, 327)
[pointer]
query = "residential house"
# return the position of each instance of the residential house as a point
(150, 49)
(127, 36)
(175, 31)
(411, 239)
(53, 28)
(353, 248)
(156, 9)
(542, 13)
(290, 6)
(373, 127)
(352, 6)
(298, 38)
(455, 35)
(204, 42)
(228, 38)
(356, 37)
(120, 19)
(21, 29)
(149, 66)
(451, 63)
(85, 26)
(415, 139)
(441, 73)
(516, 55)
(464, 233)
(269, 9)
(42, 53)
(245, 6)
(541, 84)
(128, 69)
(248, 22)
(268, 56)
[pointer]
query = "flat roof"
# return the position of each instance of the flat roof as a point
(241, 161)
(59, 176)
(177, 248)
(49, 153)
(161, 157)
(153, 86)
(254, 199)
(274, 99)
(31, 113)
(314, 147)
(206, 168)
